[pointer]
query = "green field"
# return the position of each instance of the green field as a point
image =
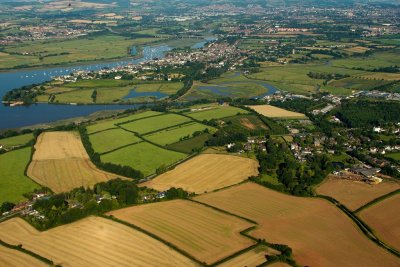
(144, 157)
(215, 112)
(231, 84)
(168, 88)
(13, 182)
(108, 91)
(155, 123)
(16, 140)
(384, 59)
(395, 156)
(173, 135)
(36, 53)
(112, 139)
(90, 84)
(110, 123)
(293, 78)
(357, 84)
(187, 146)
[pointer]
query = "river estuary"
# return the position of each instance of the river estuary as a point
(22, 116)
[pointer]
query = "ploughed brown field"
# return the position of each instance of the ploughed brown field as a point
(354, 194)
(92, 241)
(206, 234)
(318, 232)
(14, 258)
(61, 163)
(275, 112)
(205, 173)
(383, 217)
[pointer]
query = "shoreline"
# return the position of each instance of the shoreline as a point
(72, 64)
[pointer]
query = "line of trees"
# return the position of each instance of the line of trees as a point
(109, 167)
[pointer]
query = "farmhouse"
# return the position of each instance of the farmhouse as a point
(366, 172)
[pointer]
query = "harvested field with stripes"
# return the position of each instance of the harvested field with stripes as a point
(275, 112)
(13, 258)
(252, 258)
(61, 163)
(92, 241)
(318, 232)
(206, 234)
(205, 173)
(383, 217)
(354, 194)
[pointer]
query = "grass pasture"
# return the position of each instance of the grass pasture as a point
(189, 145)
(205, 173)
(357, 83)
(354, 194)
(149, 125)
(168, 88)
(144, 157)
(206, 234)
(111, 123)
(383, 218)
(13, 182)
(92, 241)
(15, 141)
(112, 139)
(214, 112)
(108, 91)
(395, 156)
(14, 258)
(101, 47)
(377, 60)
(175, 134)
(61, 163)
(275, 112)
(316, 230)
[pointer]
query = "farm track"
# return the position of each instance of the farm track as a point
(274, 224)
(365, 229)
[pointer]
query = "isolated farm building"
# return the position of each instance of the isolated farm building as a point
(366, 172)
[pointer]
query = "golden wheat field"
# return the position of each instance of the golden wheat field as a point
(61, 163)
(205, 173)
(383, 218)
(206, 234)
(318, 232)
(252, 258)
(92, 241)
(14, 258)
(275, 112)
(354, 194)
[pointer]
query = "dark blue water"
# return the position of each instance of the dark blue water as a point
(16, 79)
(133, 93)
(21, 116)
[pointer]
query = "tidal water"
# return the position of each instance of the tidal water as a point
(21, 116)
